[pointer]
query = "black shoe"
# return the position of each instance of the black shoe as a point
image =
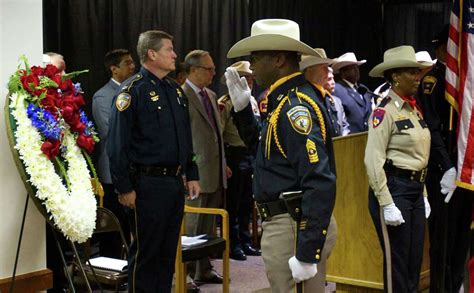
(237, 254)
(192, 288)
(249, 250)
(213, 278)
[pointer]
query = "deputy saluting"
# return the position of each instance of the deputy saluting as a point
(396, 157)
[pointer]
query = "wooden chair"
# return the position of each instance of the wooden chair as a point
(212, 246)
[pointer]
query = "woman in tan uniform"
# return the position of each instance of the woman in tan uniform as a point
(396, 157)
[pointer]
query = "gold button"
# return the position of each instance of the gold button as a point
(406, 126)
(411, 178)
(159, 107)
(317, 256)
(297, 210)
(325, 232)
(318, 251)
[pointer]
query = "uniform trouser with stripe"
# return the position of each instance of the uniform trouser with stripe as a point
(155, 225)
(406, 240)
(278, 246)
(449, 226)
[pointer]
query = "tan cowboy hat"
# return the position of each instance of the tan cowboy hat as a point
(271, 34)
(242, 67)
(424, 58)
(308, 60)
(398, 57)
(346, 59)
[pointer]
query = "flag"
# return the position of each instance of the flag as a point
(460, 85)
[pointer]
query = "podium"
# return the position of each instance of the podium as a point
(356, 262)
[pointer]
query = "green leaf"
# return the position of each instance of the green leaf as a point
(73, 74)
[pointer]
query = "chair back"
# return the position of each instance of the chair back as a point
(106, 222)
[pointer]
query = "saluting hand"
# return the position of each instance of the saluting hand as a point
(239, 90)
(128, 199)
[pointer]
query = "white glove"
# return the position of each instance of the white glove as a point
(302, 271)
(427, 207)
(239, 90)
(392, 215)
(448, 183)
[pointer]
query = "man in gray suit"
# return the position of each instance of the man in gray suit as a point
(208, 146)
(120, 65)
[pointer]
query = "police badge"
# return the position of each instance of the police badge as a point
(300, 119)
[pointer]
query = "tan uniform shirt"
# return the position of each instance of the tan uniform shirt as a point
(399, 133)
(229, 130)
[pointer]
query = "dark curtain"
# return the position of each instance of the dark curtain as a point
(84, 30)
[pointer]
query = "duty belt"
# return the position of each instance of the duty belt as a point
(419, 176)
(156, 171)
(266, 210)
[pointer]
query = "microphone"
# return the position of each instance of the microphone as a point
(363, 90)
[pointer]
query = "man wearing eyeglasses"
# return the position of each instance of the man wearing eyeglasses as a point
(208, 146)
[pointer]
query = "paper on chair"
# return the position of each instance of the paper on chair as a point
(187, 241)
(113, 264)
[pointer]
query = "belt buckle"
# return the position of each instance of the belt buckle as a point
(424, 172)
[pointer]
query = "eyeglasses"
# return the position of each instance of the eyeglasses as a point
(210, 69)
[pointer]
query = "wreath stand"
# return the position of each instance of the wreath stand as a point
(61, 253)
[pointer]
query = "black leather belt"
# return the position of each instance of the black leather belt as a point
(266, 210)
(419, 176)
(155, 171)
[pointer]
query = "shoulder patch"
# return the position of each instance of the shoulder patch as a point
(300, 119)
(384, 102)
(428, 84)
(377, 117)
(312, 151)
(123, 101)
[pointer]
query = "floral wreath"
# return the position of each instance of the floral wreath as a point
(54, 138)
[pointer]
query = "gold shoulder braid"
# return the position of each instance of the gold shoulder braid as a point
(273, 122)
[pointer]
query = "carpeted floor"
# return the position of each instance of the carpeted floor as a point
(246, 277)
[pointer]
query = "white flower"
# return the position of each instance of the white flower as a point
(74, 211)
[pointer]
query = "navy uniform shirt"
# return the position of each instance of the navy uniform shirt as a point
(436, 110)
(149, 126)
(299, 157)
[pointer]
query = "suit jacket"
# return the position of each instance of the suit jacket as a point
(207, 142)
(341, 116)
(357, 109)
(101, 109)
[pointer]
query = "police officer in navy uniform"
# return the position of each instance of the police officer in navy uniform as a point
(293, 153)
(449, 225)
(150, 148)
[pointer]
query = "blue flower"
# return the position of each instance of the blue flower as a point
(44, 121)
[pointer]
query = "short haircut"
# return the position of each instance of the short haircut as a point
(387, 74)
(150, 40)
(51, 54)
(193, 59)
(114, 57)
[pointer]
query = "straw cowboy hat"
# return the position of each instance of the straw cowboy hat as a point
(242, 67)
(398, 57)
(346, 59)
(424, 58)
(307, 60)
(271, 34)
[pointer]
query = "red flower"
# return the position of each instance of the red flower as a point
(51, 71)
(49, 103)
(57, 79)
(66, 86)
(50, 148)
(29, 82)
(86, 142)
(36, 70)
(79, 101)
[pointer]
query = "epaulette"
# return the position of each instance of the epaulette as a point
(293, 97)
(384, 102)
(134, 79)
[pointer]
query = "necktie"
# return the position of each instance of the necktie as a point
(208, 107)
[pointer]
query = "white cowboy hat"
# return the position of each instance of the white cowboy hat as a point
(346, 59)
(424, 58)
(271, 34)
(398, 57)
(308, 60)
(242, 67)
